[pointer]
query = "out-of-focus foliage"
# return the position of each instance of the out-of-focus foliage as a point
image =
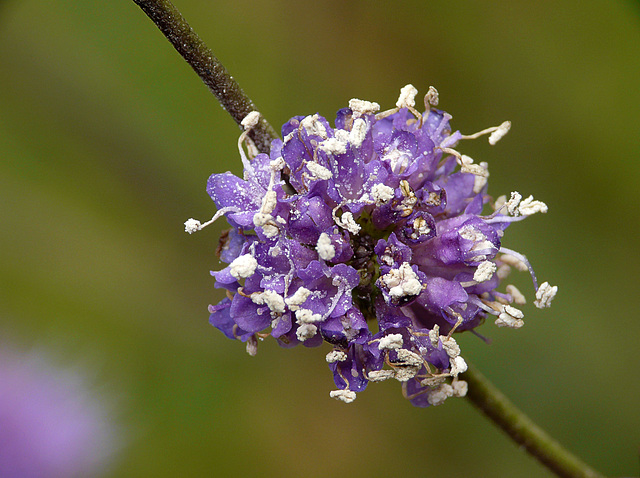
(106, 141)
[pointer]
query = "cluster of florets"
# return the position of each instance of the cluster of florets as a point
(369, 236)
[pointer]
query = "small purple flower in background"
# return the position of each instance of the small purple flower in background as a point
(50, 425)
(376, 236)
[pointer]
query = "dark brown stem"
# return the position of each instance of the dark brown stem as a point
(522, 430)
(173, 26)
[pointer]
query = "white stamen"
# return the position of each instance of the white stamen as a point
(270, 230)
(402, 282)
(272, 299)
(289, 137)
(404, 374)
(407, 98)
(243, 266)
(275, 251)
(516, 295)
(306, 332)
(480, 180)
(325, 248)
(420, 228)
(458, 365)
(530, 206)
(296, 300)
(250, 121)
(513, 312)
(510, 317)
(390, 342)
(465, 160)
(333, 146)
(252, 346)
(269, 202)
(479, 240)
(314, 127)
(260, 219)
(407, 357)
(544, 295)
(433, 381)
(380, 375)
(318, 171)
(485, 271)
(450, 346)
(460, 388)
(514, 261)
(346, 221)
(341, 135)
(514, 201)
(336, 356)
(438, 395)
(347, 396)
(499, 202)
(434, 335)
(468, 166)
(192, 225)
(263, 217)
(381, 193)
(362, 107)
(499, 133)
(431, 98)
(306, 316)
(365, 198)
(277, 164)
(398, 160)
(358, 132)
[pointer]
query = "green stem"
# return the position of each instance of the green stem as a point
(173, 26)
(522, 430)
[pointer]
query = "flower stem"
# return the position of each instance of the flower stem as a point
(228, 92)
(522, 430)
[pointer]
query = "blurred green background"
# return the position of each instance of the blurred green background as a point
(107, 139)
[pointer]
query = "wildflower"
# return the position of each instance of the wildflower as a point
(371, 236)
(50, 426)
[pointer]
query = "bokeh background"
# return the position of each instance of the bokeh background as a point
(107, 139)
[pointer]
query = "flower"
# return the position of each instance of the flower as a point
(367, 236)
(50, 425)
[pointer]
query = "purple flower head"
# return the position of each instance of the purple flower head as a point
(376, 236)
(50, 426)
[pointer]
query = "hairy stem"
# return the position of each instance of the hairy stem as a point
(173, 26)
(522, 430)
